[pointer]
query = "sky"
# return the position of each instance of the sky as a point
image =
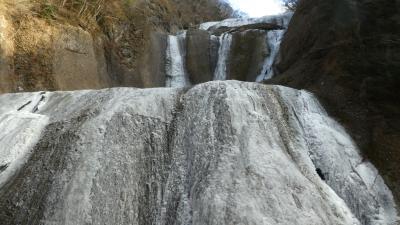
(257, 8)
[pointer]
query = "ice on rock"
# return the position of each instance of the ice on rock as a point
(20, 129)
(223, 152)
(333, 151)
(280, 20)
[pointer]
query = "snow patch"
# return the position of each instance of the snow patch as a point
(279, 19)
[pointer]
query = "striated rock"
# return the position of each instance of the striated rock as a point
(347, 52)
(219, 153)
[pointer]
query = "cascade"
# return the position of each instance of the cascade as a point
(175, 62)
(225, 41)
(259, 67)
(216, 153)
(274, 39)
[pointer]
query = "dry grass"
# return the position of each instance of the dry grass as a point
(15, 6)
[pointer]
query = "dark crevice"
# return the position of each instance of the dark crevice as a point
(3, 167)
(23, 106)
(320, 174)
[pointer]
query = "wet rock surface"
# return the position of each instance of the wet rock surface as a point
(218, 153)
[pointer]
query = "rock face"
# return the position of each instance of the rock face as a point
(129, 45)
(249, 50)
(347, 52)
(47, 47)
(44, 57)
(199, 59)
(218, 153)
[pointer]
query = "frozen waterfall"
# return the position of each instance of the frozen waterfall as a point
(175, 62)
(217, 153)
(228, 35)
(274, 39)
(280, 19)
(225, 41)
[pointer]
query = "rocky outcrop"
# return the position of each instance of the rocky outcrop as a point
(218, 153)
(347, 52)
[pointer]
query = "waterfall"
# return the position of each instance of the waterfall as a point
(226, 33)
(223, 56)
(175, 62)
(274, 39)
(337, 159)
(217, 153)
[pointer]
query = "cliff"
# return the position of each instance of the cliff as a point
(57, 45)
(347, 52)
